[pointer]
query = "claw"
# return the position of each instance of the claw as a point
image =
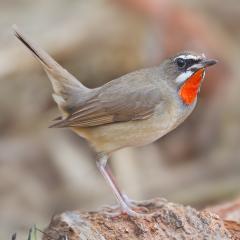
(138, 205)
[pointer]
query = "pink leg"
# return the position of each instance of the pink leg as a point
(106, 172)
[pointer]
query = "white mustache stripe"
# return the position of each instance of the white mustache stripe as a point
(184, 76)
(196, 66)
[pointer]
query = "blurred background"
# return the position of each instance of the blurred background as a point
(46, 171)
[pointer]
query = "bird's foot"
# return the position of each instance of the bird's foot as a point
(128, 212)
(134, 211)
(138, 205)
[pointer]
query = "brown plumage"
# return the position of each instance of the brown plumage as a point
(108, 106)
(133, 110)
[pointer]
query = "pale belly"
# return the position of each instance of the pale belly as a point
(111, 137)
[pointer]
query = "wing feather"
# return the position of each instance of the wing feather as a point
(117, 101)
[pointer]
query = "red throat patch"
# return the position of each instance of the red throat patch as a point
(189, 90)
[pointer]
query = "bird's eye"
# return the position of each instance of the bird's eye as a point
(181, 62)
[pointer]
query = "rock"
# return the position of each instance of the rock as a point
(165, 220)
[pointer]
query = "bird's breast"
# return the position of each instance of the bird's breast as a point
(111, 137)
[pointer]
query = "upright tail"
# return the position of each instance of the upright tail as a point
(67, 89)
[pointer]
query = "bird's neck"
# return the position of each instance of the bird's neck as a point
(189, 90)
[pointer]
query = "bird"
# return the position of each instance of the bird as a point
(133, 110)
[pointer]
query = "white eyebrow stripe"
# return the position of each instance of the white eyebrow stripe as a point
(188, 57)
(184, 76)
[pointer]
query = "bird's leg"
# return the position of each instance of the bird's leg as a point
(106, 172)
(128, 201)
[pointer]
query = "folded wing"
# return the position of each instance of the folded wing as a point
(117, 101)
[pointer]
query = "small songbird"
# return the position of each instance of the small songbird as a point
(132, 110)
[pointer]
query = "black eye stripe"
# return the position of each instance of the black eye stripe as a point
(193, 61)
(190, 62)
(186, 63)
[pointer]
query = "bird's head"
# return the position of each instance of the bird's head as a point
(187, 70)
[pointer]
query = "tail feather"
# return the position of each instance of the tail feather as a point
(37, 52)
(66, 87)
